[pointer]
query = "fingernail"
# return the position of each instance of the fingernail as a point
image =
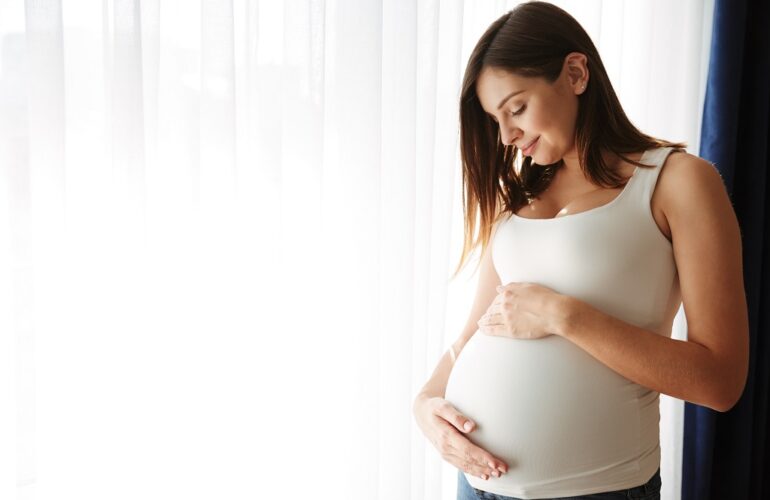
(467, 426)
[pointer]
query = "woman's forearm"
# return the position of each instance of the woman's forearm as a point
(681, 369)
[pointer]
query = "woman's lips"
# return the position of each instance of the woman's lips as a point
(528, 151)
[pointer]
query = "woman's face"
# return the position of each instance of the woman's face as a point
(534, 110)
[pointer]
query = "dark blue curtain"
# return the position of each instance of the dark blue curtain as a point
(727, 455)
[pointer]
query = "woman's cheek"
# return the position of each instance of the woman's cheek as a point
(542, 119)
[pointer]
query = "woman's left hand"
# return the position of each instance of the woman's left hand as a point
(525, 311)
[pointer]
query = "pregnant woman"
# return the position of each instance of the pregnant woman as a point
(592, 234)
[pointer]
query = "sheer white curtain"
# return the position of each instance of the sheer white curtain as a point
(226, 231)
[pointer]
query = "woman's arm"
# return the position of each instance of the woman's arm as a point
(437, 418)
(485, 294)
(711, 367)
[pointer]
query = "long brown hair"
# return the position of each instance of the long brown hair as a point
(532, 40)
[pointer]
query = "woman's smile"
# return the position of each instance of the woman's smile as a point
(531, 148)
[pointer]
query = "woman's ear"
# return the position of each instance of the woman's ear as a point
(576, 65)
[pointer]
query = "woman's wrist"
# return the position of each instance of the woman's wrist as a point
(421, 397)
(566, 311)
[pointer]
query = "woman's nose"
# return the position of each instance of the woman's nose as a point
(508, 137)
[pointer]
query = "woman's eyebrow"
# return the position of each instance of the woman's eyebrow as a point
(508, 97)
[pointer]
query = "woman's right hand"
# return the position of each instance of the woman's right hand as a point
(445, 427)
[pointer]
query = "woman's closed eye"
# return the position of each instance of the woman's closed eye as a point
(512, 113)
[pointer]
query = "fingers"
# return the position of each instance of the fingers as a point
(465, 459)
(449, 413)
(459, 450)
(475, 460)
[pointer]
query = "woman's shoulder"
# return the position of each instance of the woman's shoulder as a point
(682, 166)
(686, 182)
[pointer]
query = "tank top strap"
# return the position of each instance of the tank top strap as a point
(648, 177)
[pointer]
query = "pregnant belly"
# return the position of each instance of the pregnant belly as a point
(547, 408)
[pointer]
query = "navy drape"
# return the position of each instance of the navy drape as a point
(726, 455)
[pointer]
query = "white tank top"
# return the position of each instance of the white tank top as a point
(565, 423)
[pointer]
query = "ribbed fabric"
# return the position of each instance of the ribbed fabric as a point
(565, 423)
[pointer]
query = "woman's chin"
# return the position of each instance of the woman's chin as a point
(538, 158)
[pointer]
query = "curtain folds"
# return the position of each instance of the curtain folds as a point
(725, 454)
(227, 229)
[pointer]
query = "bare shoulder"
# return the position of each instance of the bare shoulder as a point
(689, 185)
